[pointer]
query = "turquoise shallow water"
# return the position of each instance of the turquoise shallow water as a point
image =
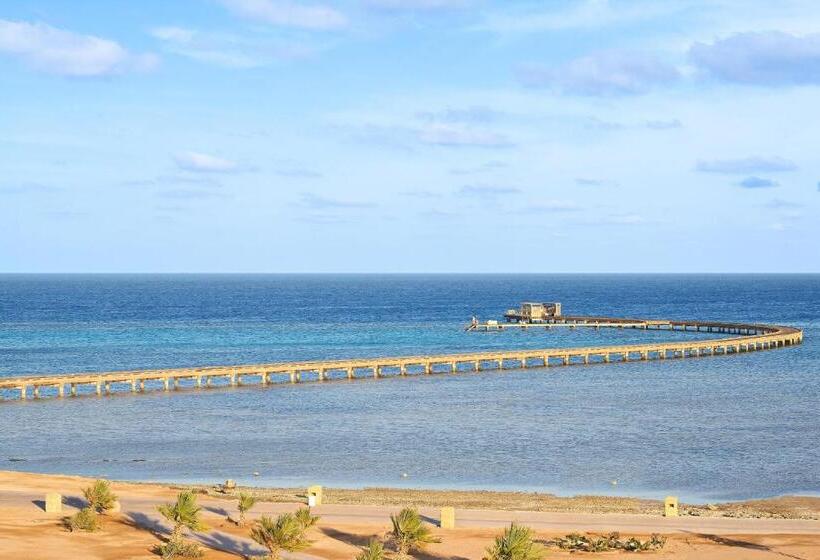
(713, 428)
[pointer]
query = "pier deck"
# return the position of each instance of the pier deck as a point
(748, 337)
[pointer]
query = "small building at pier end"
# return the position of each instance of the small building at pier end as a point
(531, 312)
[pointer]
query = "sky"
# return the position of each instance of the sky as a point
(409, 136)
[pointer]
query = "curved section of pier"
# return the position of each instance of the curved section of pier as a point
(745, 338)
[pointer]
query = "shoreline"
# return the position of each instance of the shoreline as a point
(790, 506)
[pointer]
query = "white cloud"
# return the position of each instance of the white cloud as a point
(457, 135)
(64, 53)
(602, 74)
(487, 190)
(551, 206)
(412, 5)
(174, 34)
(288, 14)
(588, 14)
(227, 49)
(757, 183)
(625, 219)
(753, 164)
(204, 163)
(763, 58)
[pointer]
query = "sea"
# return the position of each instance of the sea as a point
(705, 429)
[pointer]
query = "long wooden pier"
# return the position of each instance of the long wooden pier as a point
(746, 338)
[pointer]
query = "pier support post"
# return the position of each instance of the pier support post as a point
(377, 371)
(73, 389)
(36, 391)
(166, 383)
(453, 367)
(350, 373)
(133, 385)
(23, 390)
(476, 365)
(428, 368)
(60, 390)
(142, 385)
(607, 359)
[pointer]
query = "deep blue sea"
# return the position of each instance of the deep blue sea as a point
(725, 427)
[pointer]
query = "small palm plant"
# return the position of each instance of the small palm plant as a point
(246, 502)
(304, 517)
(285, 533)
(374, 551)
(515, 544)
(99, 496)
(409, 532)
(183, 513)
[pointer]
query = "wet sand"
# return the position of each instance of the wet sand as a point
(759, 529)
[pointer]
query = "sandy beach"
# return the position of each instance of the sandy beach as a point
(785, 527)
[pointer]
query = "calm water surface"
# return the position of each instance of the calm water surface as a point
(713, 428)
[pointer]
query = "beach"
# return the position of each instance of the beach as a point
(786, 527)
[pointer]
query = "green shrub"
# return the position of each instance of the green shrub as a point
(516, 543)
(285, 533)
(246, 502)
(84, 520)
(179, 549)
(99, 496)
(613, 541)
(185, 512)
(374, 551)
(409, 532)
(304, 517)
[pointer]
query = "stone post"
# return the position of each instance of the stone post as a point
(448, 518)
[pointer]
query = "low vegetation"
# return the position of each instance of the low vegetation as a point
(283, 534)
(410, 532)
(613, 541)
(373, 551)
(84, 520)
(246, 502)
(515, 543)
(184, 513)
(305, 518)
(99, 496)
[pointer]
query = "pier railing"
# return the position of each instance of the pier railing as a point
(749, 337)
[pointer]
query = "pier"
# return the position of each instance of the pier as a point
(744, 338)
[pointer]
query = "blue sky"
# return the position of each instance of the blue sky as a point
(409, 136)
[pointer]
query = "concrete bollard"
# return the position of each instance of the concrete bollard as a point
(448, 518)
(54, 502)
(314, 494)
(670, 506)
